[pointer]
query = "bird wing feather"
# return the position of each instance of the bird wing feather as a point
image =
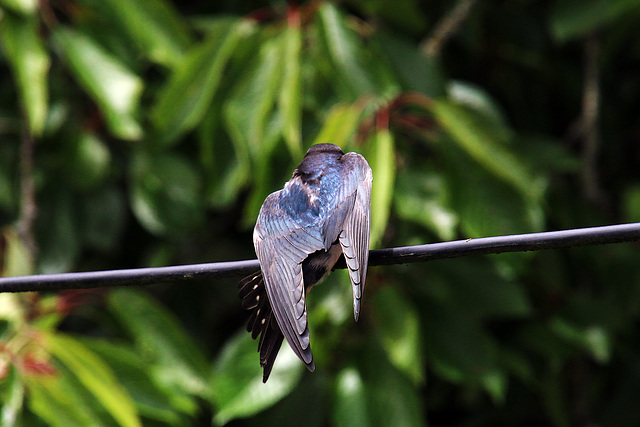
(354, 237)
(281, 245)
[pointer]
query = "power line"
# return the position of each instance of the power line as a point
(400, 255)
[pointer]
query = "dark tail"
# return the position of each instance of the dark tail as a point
(261, 321)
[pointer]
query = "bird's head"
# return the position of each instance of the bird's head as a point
(324, 148)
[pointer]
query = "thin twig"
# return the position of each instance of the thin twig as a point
(590, 121)
(28, 206)
(401, 255)
(446, 27)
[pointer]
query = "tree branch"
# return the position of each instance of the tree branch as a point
(590, 121)
(28, 207)
(447, 27)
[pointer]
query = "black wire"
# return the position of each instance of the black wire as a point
(401, 255)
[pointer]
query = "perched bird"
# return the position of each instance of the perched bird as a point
(321, 213)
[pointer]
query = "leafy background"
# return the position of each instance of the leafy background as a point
(141, 133)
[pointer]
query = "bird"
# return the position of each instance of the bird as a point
(322, 213)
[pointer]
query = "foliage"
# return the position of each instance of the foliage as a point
(148, 132)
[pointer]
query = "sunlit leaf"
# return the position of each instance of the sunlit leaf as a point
(87, 160)
(226, 164)
(290, 99)
(20, 38)
(96, 376)
(398, 325)
(351, 407)
(237, 385)
(161, 340)
(423, 198)
(250, 105)
(51, 399)
(12, 393)
(476, 98)
(131, 370)
(594, 339)
(26, 7)
(114, 88)
(380, 154)
(155, 26)
(486, 145)
(345, 54)
(184, 99)
(15, 259)
(339, 125)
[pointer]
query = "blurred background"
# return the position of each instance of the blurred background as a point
(137, 133)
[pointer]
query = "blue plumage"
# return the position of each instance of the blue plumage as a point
(321, 213)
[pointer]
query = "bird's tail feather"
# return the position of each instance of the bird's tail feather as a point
(261, 320)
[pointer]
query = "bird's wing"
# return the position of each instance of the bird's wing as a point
(281, 245)
(261, 321)
(354, 237)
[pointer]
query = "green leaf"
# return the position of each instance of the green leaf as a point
(151, 400)
(15, 259)
(380, 153)
(458, 348)
(184, 99)
(475, 287)
(485, 204)
(250, 105)
(477, 99)
(87, 160)
(29, 62)
(350, 402)
(423, 197)
(96, 376)
(405, 14)
(237, 385)
(486, 144)
(155, 26)
(12, 395)
(631, 203)
(415, 71)
(392, 398)
(571, 19)
(345, 53)
(226, 164)
(594, 339)
(114, 88)
(24, 7)
(8, 188)
(104, 217)
(339, 125)
(59, 230)
(398, 326)
(162, 341)
(58, 404)
(291, 90)
(166, 193)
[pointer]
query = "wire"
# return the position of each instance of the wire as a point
(400, 255)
